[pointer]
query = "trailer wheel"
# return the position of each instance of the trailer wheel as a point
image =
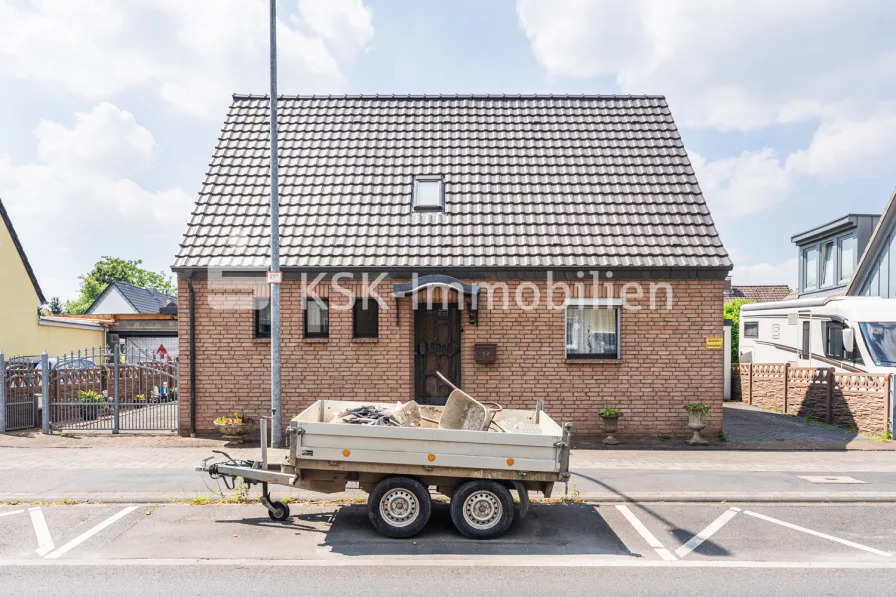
(399, 507)
(282, 511)
(482, 509)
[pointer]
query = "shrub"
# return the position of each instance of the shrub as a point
(732, 312)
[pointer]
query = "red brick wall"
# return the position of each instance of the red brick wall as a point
(664, 360)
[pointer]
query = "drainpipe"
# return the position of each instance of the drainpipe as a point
(192, 357)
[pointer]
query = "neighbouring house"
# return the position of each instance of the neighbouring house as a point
(876, 271)
(540, 228)
(828, 254)
(24, 331)
(144, 319)
(756, 293)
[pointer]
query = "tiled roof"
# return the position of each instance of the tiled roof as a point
(21, 251)
(530, 182)
(143, 300)
(759, 293)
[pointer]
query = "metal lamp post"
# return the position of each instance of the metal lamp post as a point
(275, 276)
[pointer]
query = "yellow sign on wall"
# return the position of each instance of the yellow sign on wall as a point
(714, 343)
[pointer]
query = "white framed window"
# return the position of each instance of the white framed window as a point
(592, 331)
(751, 329)
(429, 193)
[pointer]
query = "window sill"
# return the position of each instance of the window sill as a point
(593, 361)
(366, 340)
(315, 340)
(261, 340)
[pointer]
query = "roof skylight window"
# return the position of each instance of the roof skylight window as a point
(429, 193)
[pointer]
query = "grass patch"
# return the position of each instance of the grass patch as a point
(723, 437)
(663, 437)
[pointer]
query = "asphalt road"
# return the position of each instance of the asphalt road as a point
(153, 581)
(621, 549)
(173, 484)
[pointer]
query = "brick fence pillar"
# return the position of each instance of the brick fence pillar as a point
(786, 384)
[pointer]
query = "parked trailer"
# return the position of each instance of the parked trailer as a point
(399, 466)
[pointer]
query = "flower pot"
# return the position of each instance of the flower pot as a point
(697, 422)
(235, 433)
(611, 423)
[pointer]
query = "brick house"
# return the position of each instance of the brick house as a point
(584, 206)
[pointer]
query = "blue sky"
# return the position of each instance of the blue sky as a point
(111, 110)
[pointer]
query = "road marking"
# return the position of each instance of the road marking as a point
(88, 534)
(817, 534)
(829, 480)
(44, 540)
(646, 534)
(516, 561)
(698, 539)
(2, 514)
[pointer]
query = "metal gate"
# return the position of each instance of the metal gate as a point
(19, 390)
(112, 390)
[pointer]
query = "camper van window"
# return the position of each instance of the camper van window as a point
(751, 330)
(810, 268)
(833, 340)
(880, 338)
(827, 265)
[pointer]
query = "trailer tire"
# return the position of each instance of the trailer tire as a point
(482, 509)
(399, 507)
(282, 511)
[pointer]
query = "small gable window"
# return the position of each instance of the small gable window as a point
(429, 193)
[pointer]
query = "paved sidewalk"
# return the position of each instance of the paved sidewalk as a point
(745, 423)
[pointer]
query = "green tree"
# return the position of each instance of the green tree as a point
(55, 306)
(112, 269)
(732, 312)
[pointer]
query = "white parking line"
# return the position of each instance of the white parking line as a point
(44, 540)
(2, 514)
(698, 539)
(88, 534)
(646, 534)
(817, 534)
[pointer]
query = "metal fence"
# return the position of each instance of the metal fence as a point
(93, 389)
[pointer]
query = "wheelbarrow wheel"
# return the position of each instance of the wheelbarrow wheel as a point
(399, 507)
(282, 511)
(482, 509)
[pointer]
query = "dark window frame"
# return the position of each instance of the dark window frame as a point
(595, 356)
(372, 307)
(428, 178)
(325, 333)
(822, 264)
(805, 263)
(751, 326)
(855, 257)
(259, 330)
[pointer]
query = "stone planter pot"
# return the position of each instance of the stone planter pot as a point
(235, 434)
(610, 425)
(697, 422)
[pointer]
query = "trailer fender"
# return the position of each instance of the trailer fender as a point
(524, 497)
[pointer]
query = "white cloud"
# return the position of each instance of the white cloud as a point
(726, 64)
(767, 273)
(346, 26)
(76, 204)
(193, 54)
(750, 183)
(87, 146)
(845, 149)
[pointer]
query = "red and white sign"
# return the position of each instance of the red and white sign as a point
(275, 277)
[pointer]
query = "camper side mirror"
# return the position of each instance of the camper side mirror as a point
(849, 340)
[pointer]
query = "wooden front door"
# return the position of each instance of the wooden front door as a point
(436, 348)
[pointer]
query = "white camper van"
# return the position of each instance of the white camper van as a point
(853, 334)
